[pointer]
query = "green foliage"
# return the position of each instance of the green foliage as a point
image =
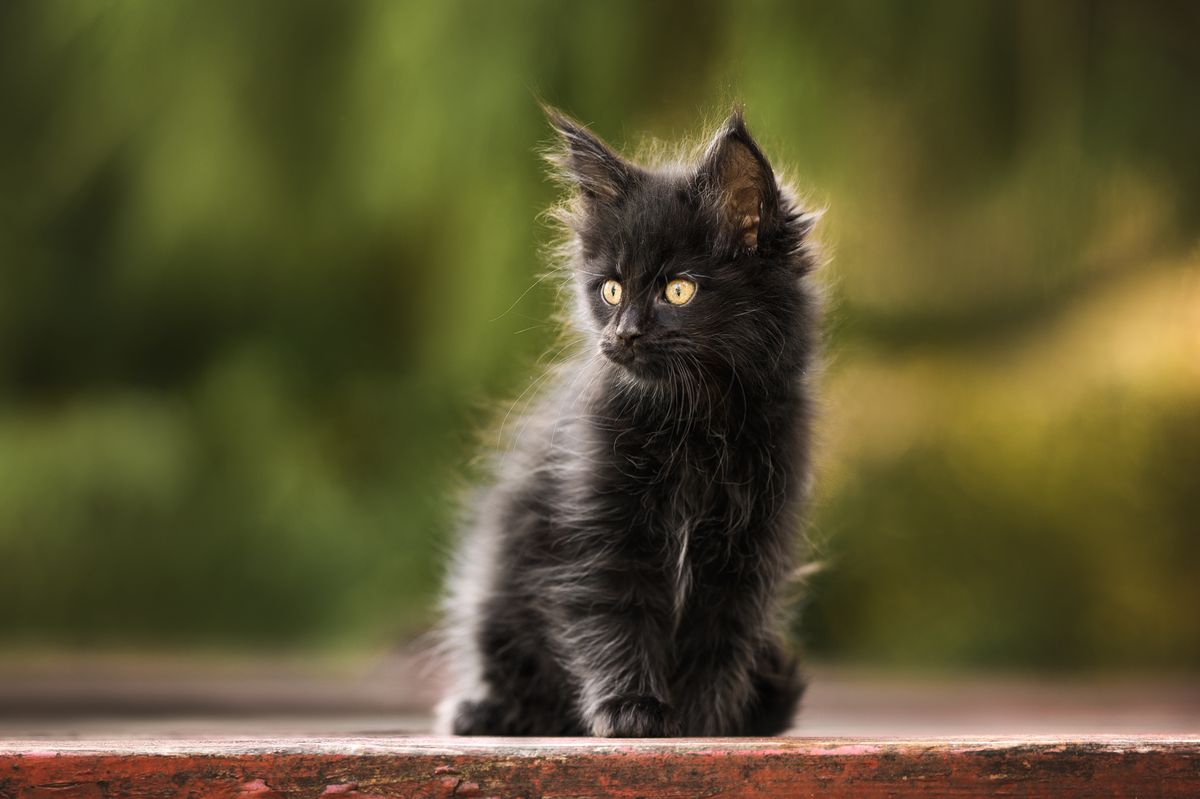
(266, 267)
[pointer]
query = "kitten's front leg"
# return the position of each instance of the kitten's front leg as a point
(720, 642)
(633, 716)
(608, 627)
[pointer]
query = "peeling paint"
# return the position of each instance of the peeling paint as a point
(442, 768)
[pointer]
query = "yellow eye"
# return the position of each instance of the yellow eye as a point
(611, 292)
(680, 291)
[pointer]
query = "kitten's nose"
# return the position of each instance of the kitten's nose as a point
(629, 328)
(627, 337)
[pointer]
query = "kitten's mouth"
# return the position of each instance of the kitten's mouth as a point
(638, 359)
(623, 355)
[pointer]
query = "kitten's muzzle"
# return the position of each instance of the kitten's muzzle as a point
(621, 347)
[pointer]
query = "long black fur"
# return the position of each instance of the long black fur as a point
(621, 575)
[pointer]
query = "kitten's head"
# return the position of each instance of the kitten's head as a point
(686, 271)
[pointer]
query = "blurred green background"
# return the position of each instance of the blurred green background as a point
(266, 269)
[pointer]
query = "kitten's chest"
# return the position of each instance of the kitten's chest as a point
(693, 503)
(693, 486)
(695, 513)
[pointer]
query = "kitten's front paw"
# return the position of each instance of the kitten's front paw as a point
(633, 717)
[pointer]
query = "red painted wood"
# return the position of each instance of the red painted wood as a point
(441, 768)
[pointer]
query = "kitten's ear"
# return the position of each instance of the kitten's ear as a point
(736, 176)
(601, 175)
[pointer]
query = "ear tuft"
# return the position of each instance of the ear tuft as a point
(736, 175)
(601, 175)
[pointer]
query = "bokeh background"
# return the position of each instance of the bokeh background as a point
(267, 270)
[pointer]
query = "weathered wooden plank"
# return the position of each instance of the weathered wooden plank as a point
(369, 768)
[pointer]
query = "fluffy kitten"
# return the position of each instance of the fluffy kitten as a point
(621, 574)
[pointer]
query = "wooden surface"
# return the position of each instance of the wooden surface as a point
(441, 768)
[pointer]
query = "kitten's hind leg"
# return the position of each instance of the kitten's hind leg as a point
(778, 686)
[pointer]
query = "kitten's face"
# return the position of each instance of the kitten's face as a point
(683, 275)
(657, 297)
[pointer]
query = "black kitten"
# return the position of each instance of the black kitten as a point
(622, 574)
